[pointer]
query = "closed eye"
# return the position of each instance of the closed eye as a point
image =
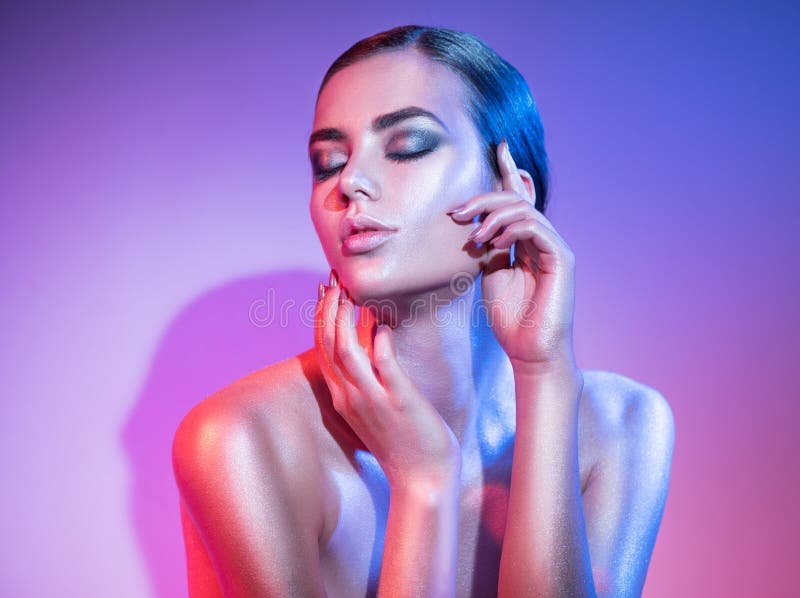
(430, 143)
(321, 175)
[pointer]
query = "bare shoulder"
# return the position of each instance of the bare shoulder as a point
(273, 407)
(617, 408)
(632, 433)
(252, 484)
(612, 400)
(281, 389)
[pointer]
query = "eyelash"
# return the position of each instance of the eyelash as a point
(325, 174)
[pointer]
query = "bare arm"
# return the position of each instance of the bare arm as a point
(419, 555)
(625, 498)
(201, 577)
(252, 491)
(545, 550)
(548, 545)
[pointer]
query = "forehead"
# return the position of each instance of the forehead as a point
(387, 82)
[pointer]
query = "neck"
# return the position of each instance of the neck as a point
(447, 348)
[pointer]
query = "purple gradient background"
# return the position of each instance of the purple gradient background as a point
(155, 185)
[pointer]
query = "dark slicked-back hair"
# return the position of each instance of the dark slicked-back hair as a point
(499, 100)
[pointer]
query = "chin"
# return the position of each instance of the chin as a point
(369, 289)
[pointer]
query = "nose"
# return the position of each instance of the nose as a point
(354, 183)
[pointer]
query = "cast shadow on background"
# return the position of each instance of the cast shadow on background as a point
(223, 335)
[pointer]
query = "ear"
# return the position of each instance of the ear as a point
(527, 180)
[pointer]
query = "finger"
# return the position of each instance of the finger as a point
(328, 331)
(501, 217)
(330, 308)
(319, 328)
(529, 231)
(324, 348)
(348, 383)
(491, 200)
(483, 202)
(509, 173)
(347, 390)
(391, 373)
(365, 327)
(355, 362)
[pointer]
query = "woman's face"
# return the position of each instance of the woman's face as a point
(360, 166)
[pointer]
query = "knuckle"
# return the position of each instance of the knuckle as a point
(359, 403)
(348, 402)
(398, 402)
(323, 328)
(345, 350)
(339, 403)
(383, 357)
(338, 340)
(499, 239)
(508, 231)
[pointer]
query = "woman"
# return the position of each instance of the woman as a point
(439, 438)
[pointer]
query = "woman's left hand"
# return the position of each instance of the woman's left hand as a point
(530, 302)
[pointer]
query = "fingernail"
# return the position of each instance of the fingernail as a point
(320, 290)
(334, 279)
(507, 152)
(475, 232)
(456, 211)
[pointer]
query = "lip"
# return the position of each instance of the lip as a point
(366, 240)
(361, 222)
(361, 233)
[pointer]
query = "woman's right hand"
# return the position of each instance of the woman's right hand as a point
(372, 392)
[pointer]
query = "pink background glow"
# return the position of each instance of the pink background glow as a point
(154, 187)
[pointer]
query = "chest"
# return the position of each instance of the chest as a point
(351, 559)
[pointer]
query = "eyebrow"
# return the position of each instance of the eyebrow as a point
(380, 123)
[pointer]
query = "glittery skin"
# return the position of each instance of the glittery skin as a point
(350, 556)
(280, 498)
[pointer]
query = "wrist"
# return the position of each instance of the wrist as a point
(429, 489)
(539, 383)
(561, 365)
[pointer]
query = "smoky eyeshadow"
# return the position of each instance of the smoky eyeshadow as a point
(410, 141)
(421, 140)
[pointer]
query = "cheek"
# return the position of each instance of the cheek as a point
(447, 187)
(469, 178)
(461, 178)
(432, 231)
